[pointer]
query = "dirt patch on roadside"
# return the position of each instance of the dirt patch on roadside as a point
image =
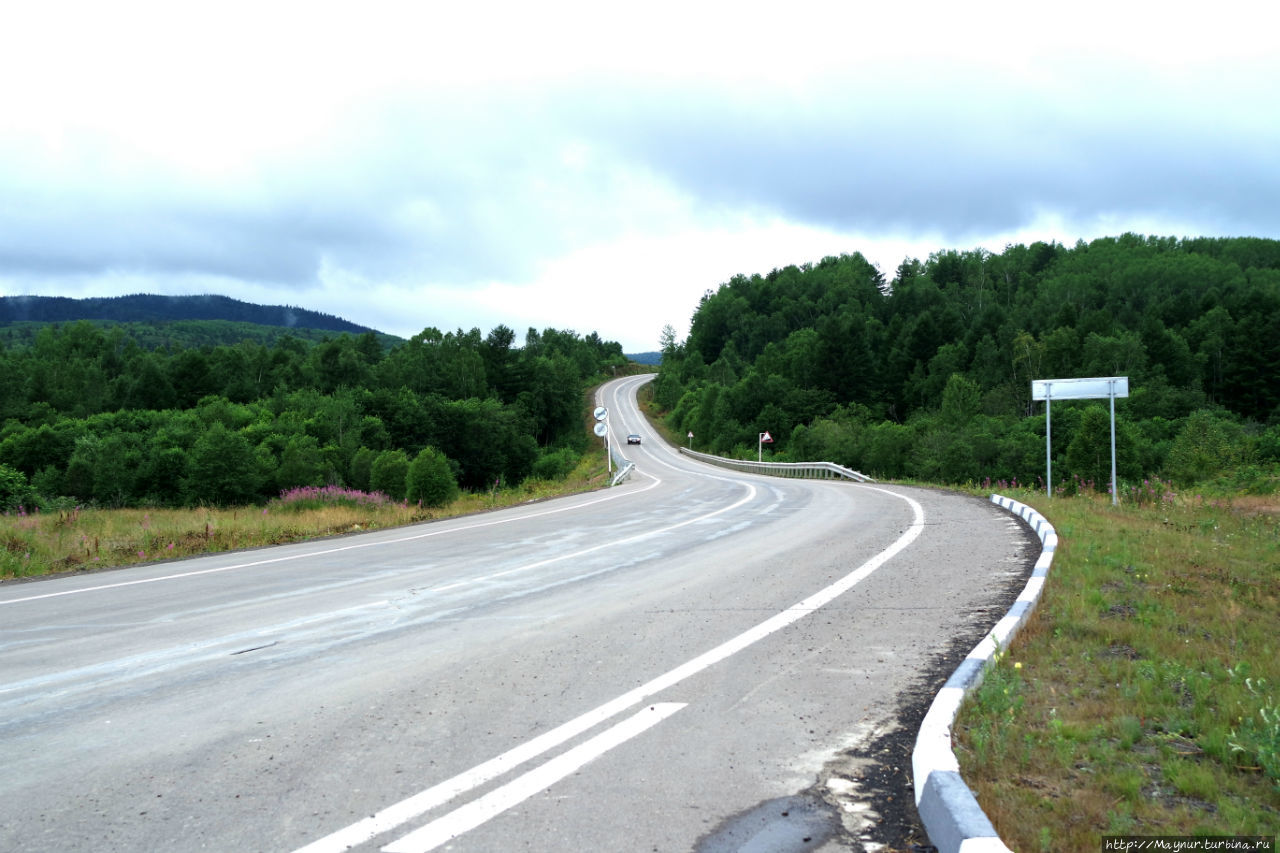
(871, 784)
(1251, 505)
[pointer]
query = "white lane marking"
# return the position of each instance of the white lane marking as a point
(476, 812)
(149, 663)
(320, 553)
(420, 803)
(441, 793)
(162, 657)
(751, 493)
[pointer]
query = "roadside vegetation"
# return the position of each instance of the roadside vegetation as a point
(1143, 695)
(90, 538)
(925, 374)
(90, 417)
(116, 449)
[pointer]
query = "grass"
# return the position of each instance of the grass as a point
(83, 539)
(1143, 695)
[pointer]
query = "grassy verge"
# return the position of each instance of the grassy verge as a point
(85, 539)
(1143, 696)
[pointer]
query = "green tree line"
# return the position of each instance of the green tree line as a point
(154, 308)
(89, 415)
(185, 334)
(928, 375)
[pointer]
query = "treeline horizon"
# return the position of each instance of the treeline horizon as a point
(155, 308)
(927, 375)
(88, 415)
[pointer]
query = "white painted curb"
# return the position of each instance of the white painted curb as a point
(950, 812)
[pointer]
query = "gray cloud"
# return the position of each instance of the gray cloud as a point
(477, 188)
(423, 186)
(952, 161)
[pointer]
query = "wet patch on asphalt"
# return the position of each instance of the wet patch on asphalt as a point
(786, 825)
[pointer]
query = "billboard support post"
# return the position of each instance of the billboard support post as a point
(1079, 389)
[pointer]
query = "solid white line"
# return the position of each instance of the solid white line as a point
(320, 553)
(420, 803)
(477, 812)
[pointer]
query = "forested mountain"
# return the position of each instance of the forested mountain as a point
(89, 415)
(181, 322)
(149, 308)
(928, 374)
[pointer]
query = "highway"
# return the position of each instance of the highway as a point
(639, 668)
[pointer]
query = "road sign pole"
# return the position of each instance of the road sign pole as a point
(602, 430)
(1048, 442)
(762, 438)
(1115, 499)
(1080, 389)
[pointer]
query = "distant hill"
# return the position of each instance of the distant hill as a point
(146, 308)
(654, 358)
(182, 322)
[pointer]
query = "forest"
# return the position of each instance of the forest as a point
(927, 375)
(153, 308)
(91, 416)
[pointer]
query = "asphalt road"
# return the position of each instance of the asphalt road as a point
(667, 665)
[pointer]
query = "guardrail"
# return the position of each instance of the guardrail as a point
(623, 473)
(947, 807)
(799, 470)
(624, 465)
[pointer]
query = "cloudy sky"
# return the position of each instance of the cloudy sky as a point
(597, 166)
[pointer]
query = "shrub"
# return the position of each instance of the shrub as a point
(223, 470)
(13, 488)
(389, 473)
(361, 469)
(1204, 447)
(556, 464)
(430, 480)
(301, 463)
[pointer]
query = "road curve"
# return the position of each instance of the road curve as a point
(634, 669)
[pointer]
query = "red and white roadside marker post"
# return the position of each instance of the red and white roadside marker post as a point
(765, 438)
